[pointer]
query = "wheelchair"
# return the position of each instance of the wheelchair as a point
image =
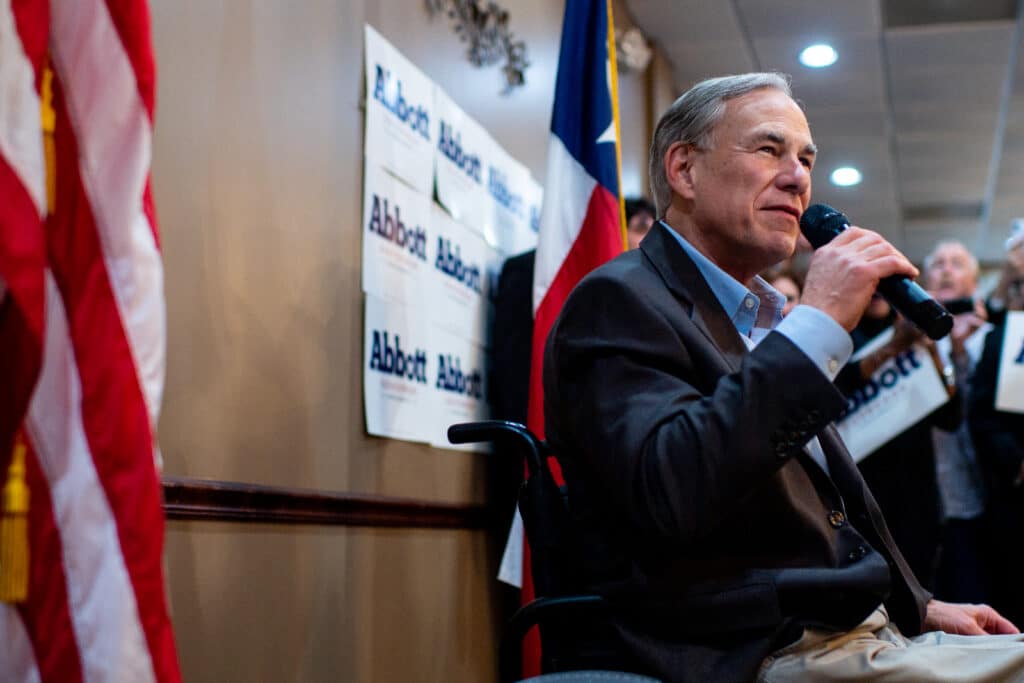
(576, 640)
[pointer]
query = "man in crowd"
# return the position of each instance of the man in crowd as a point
(951, 273)
(718, 509)
(640, 215)
(999, 442)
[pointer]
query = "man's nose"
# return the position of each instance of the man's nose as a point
(794, 176)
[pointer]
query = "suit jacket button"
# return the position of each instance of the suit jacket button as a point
(836, 519)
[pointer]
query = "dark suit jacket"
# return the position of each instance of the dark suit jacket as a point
(702, 517)
(999, 443)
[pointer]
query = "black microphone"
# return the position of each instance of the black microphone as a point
(820, 223)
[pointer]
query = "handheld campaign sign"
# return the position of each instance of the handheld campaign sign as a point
(900, 393)
(1010, 389)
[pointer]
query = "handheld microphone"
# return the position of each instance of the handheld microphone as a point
(820, 223)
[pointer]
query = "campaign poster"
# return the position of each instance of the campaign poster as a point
(460, 159)
(511, 189)
(902, 391)
(1010, 387)
(399, 115)
(459, 384)
(463, 271)
(398, 377)
(524, 234)
(396, 238)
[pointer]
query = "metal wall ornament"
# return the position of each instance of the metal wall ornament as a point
(632, 51)
(483, 26)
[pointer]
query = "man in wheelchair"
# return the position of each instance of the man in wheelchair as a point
(719, 512)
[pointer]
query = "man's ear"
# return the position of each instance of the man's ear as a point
(679, 161)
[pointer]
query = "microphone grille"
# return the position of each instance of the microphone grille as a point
(820, 223)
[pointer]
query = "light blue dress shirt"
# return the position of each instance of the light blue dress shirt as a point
(758, 310)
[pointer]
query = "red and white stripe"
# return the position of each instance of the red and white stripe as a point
(573, 239)
(22, 207)
(96, 610)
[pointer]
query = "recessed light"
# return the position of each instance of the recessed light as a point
(845, 176)
(818, 56)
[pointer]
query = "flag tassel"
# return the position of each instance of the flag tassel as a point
(14, 531)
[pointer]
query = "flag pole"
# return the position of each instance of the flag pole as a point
(614, 78)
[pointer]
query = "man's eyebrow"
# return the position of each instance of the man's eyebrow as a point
(780, 139)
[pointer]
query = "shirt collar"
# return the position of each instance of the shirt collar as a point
(757, 307)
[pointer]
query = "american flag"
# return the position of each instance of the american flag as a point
(83, 309)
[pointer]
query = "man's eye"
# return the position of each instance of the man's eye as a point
(806, 162)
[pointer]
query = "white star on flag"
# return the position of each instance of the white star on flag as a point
(609, 133)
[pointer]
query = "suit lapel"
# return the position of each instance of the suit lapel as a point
(686, 283)
(842, 470)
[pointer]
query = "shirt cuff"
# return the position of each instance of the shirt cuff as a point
(821, 338)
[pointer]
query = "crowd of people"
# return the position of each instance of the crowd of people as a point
(952, 485)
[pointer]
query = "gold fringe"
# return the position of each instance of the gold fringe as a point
(14, 531)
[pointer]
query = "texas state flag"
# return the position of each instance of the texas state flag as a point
(581, 223)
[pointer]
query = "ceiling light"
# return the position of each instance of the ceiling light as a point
(818, 56)
(844, 176)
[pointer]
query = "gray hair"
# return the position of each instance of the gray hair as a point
(929, 260)
(692, 118)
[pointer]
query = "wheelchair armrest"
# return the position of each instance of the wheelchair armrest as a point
(494, 430)
(537, 612)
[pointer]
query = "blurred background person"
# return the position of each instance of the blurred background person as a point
(788, 284)
(997, 304)
(951, 273)
(901, 472)
(999, 442)
(640, 215)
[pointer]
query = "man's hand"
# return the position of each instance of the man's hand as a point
(965, 620)
(844, 273)
(1015, 262)
(964, 325)
(905, 334)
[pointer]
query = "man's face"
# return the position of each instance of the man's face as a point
(951, 273)
(750, 188)
(788, 288)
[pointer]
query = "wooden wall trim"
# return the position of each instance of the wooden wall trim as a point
(201, 499)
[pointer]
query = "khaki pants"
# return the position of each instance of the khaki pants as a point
(876, 651)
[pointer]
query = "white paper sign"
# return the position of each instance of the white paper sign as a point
(511, 188)
(900, 393)
(460, 161)
(398, 393)
(399, 114)
(396, 238)
(510, 570)
(1010, 389)
(524, 236)
(459, 379)
(461, 282)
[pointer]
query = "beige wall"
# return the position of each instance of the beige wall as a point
(257, 177)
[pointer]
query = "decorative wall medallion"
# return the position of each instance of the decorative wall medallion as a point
(483, 26)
